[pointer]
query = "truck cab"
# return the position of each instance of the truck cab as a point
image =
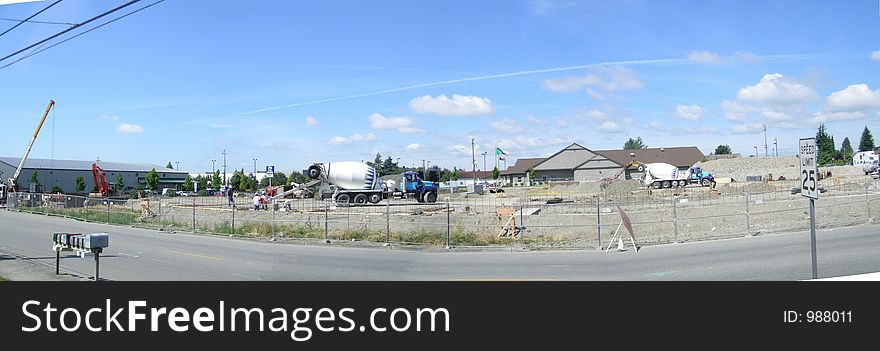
(697, 175)
(423, 190)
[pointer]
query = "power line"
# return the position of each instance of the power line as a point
(32, 16)
(37, 22)
(75, 36)
(70, 29)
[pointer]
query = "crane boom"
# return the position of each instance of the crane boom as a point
(27, 152)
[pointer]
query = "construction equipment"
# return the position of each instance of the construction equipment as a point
(358, 183)
(663, 175)
(103, 190)
(11, 182)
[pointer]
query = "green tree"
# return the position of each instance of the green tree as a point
(495, 173)
(120, 183)
(235, 181)
(298, 178)
(633, 144)
(79, 184)
(722, 150)
(152, 180)
(433, 174)
(456, 173)
(35, 178)
(376, 163)
(389, 166)
(532, 172)
(169, 165)
(825, 144)
(279, 178)
(846, 150)
(188, 183)
(867, 141)
(216, 181)
(57, 190)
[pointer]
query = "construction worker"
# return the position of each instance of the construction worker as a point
(257, 200)
(231, 201)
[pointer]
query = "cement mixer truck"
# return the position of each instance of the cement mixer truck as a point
(664, 175)
(358, 183)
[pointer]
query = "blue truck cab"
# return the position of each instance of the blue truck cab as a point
(698, 176)
(422, 190)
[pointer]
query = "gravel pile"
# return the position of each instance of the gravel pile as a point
(786, 166)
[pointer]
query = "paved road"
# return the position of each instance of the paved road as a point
(138, 254)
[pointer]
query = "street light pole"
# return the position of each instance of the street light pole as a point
(756, 151)
(177, 165)
(255, 167)
(224, 167)
(484, 160)
(213, 167)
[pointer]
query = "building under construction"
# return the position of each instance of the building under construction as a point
(63, 174)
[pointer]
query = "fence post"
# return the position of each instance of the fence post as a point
(447, 226)
(522, 228)
(598, 223)
(274, 202)
(108, 210)
(233, 216)
(387, 222)
(674, 220)
(159, 215)
(867, 203)
(748, 216)
(326, 222)
(194, 215)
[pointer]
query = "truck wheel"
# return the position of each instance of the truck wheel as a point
(705, 182)
(667, 184)
(683, 183)
(375, 199)
(431, 197)
(314, 171)
(655, 185)
(343, 199)
(360, 199)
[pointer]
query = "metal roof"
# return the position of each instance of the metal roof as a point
(41, 163)
(522, 165)
(676, 156)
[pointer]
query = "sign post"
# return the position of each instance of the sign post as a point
(270, 172)
(810, 188)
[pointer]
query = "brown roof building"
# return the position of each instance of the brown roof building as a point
(681, 157)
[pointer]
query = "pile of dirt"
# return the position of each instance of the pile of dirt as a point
(739, 168)
(575, 187)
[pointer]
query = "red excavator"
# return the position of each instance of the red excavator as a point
(103, 188)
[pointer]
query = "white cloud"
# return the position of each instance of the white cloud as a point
(530, 143)
(822, 116)
(507, 125)
(129, 128)
(855, 97)
(694, 130)
(609, 127)
(748, 128)
(689, 113)
(414, 146)
(401, 124)
(875, 55)
(656, 126)
(610, 79)
(734, 111)
(705, 57)
(461, 149)
(109, 117)
(458, 105)
(312, 121)
(775, 89)
(776, 116)
(339, 140)
(746, 56)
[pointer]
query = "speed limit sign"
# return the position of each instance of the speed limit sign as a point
(809, 169)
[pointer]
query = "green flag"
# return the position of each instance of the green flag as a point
(498, 151)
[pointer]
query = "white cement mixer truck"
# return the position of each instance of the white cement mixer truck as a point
(664, 175)
(358, 183)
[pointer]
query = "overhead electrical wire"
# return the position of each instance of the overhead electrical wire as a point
(32, 16)
(37, 22)
(78, 34)
(90, 20)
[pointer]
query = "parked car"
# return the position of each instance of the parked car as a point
(869, 168)
(186, 193)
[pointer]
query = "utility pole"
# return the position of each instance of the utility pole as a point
(224, 167)
(213, 168)
(424, 168)
(473, 161)
(756, 151)
(177, 165)
(775, 147)
(765, 141)
(255, 167)
(484, 160)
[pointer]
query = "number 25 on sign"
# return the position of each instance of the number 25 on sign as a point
(809, 168)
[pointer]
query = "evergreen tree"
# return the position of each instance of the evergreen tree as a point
(825, 146)
(169, 165)
(188, 183)
(79, 184)
(867, 141)
(388, 166)
(722, 150)
(216, 181)
(495, 173)
(120, 183)
(35, 178)
(152, 180)
(633, 144)
(846, 150)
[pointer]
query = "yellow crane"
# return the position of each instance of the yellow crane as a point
(12, 181)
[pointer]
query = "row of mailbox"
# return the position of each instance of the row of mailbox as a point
(80, 241)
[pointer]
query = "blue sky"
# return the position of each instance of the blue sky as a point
(295, 82)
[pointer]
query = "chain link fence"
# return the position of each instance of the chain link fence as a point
(577, 221)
